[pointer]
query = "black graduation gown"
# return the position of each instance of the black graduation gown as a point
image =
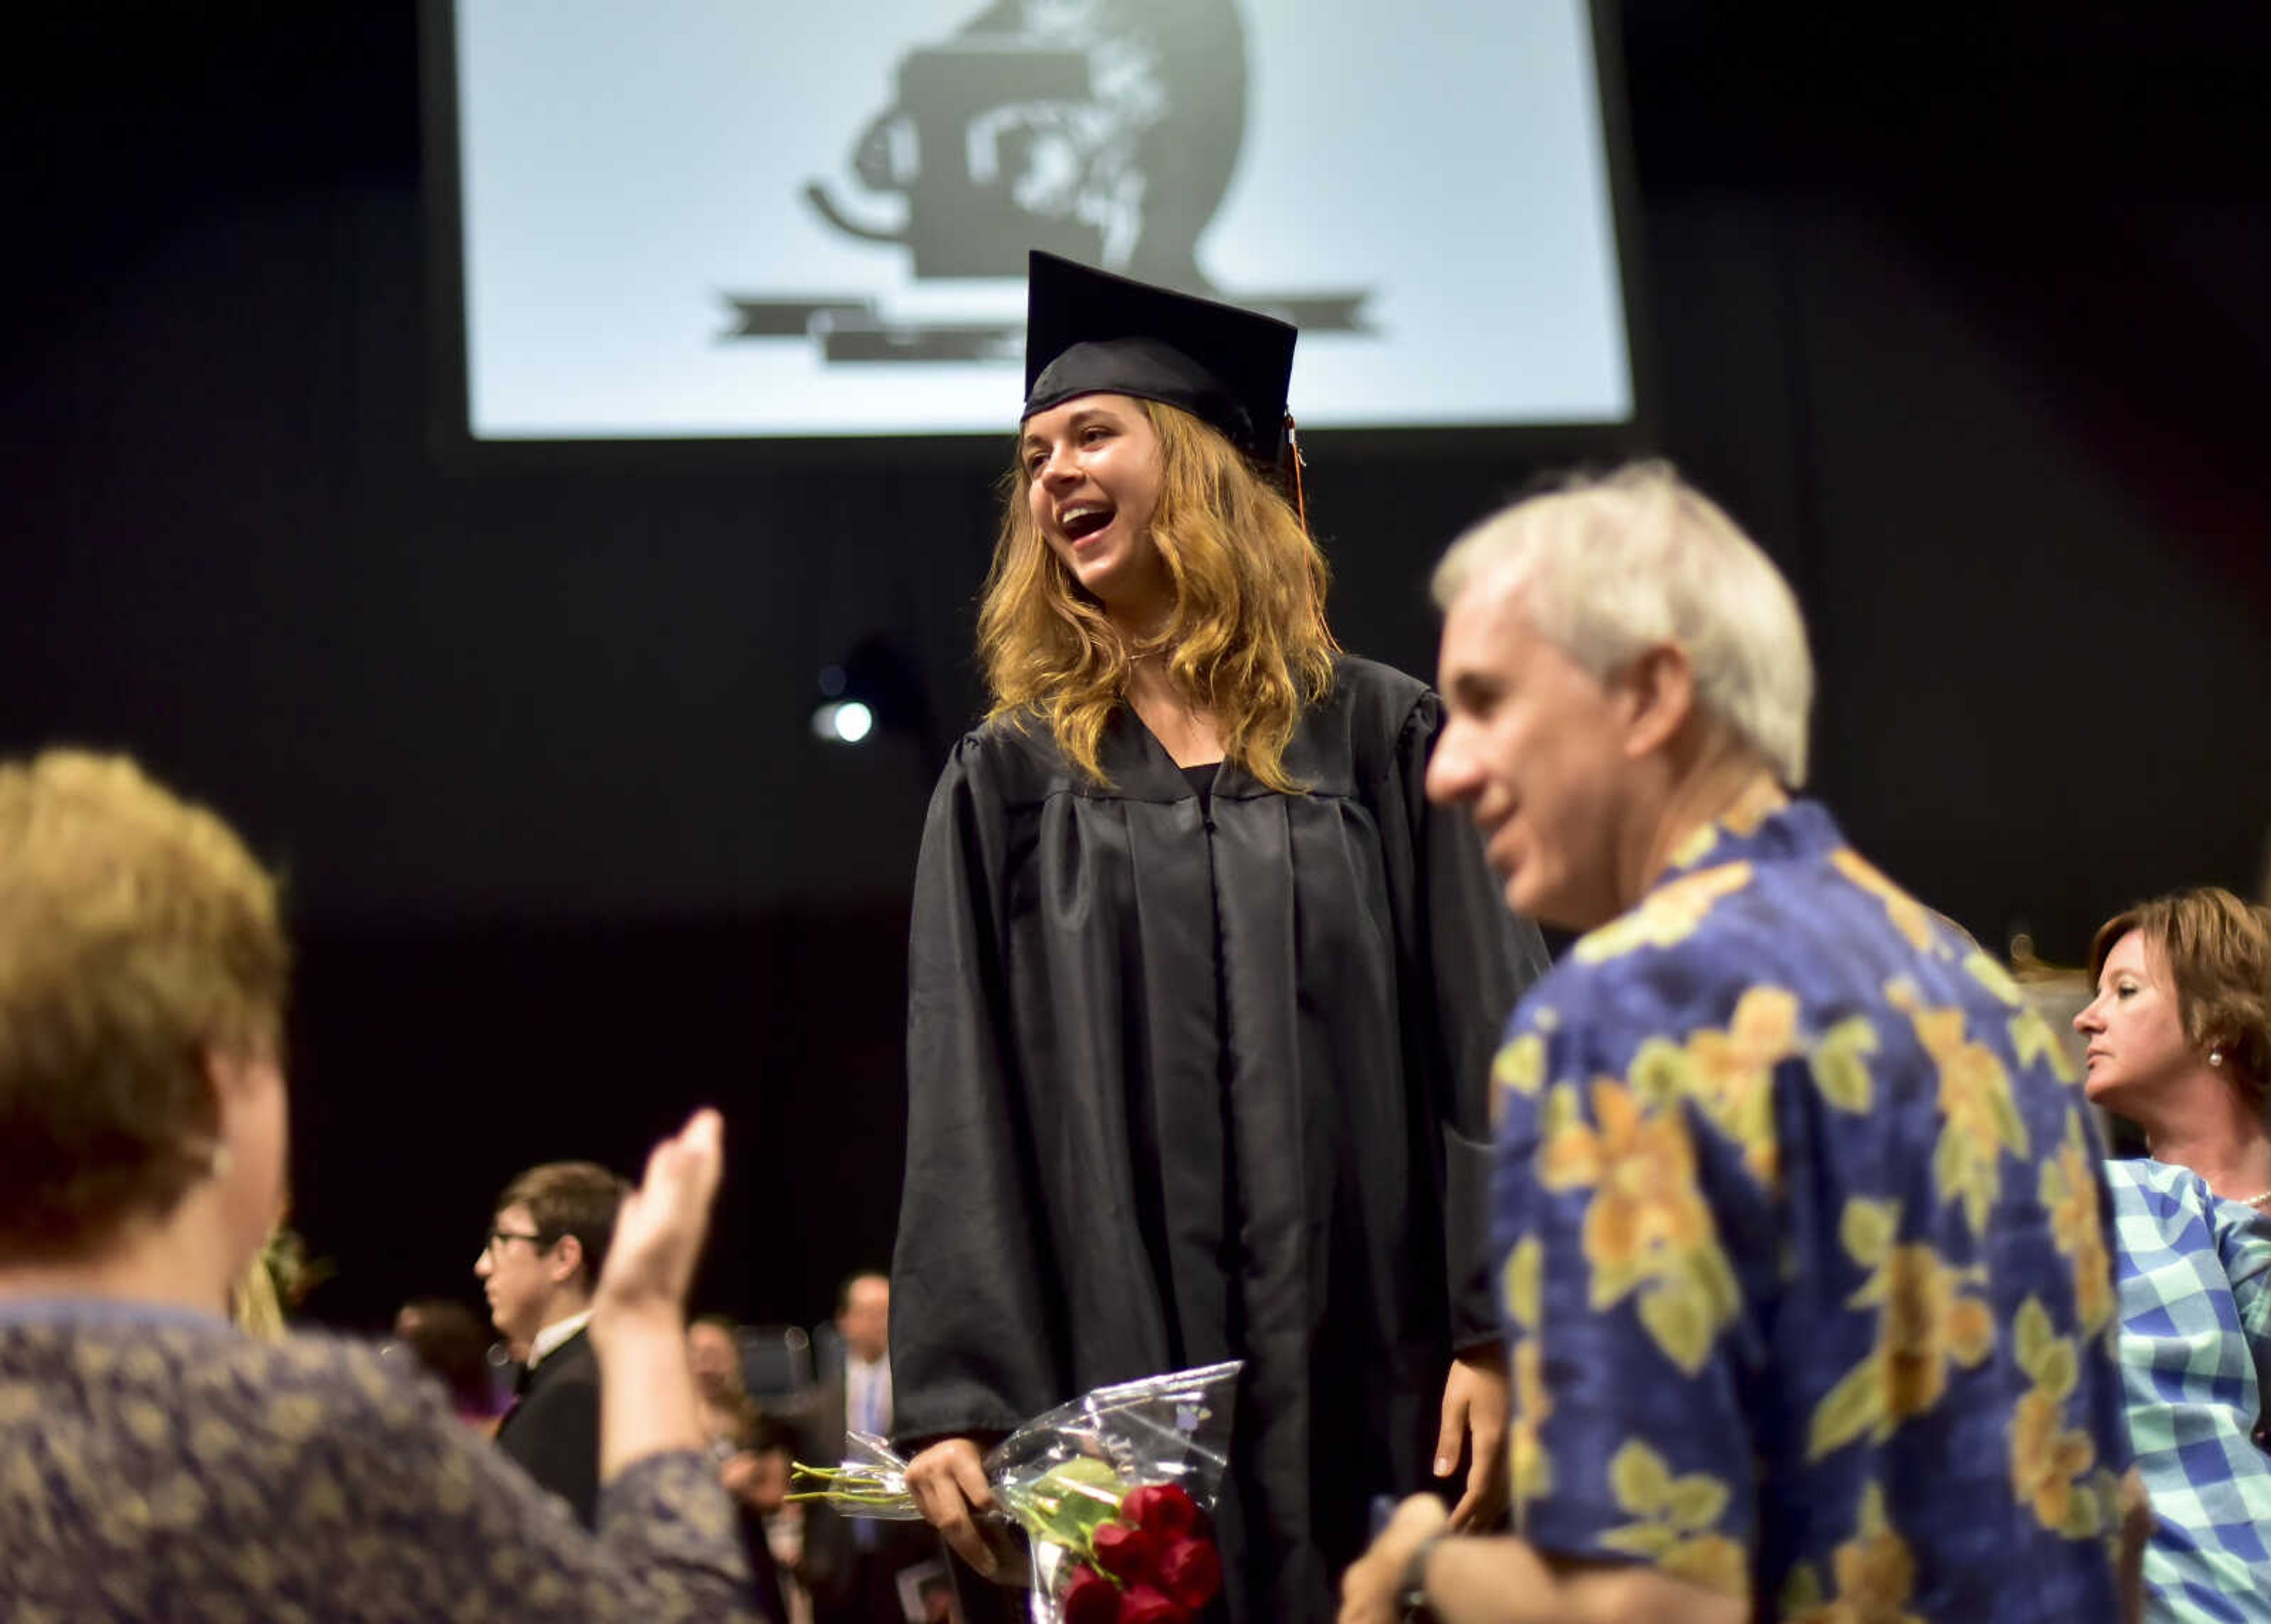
(1187, 1084)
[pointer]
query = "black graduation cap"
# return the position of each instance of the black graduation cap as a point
(1089, 332)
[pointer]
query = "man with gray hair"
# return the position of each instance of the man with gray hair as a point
(1805, 1254)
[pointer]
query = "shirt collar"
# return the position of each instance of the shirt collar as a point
(547, 1341)
(1749, 832)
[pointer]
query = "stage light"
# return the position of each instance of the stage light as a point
(843, 721)
(873, 691)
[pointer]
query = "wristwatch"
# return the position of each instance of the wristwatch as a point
(1411, 1589)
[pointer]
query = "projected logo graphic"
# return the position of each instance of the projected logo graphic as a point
(1105, 131)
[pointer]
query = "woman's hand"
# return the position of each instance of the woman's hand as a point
(948, 1481)
(659, 1230)
(1474, 1415)
(638, 1312)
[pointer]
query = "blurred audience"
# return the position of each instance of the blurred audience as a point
(2178, 1040)
(756, 1452)
(713, 1353)
(758, 1476)
(450, 1341)
(538, 1268)
(159, 1462)
(856, 1564)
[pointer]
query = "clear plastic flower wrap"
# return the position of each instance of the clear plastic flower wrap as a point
(1113, 1490)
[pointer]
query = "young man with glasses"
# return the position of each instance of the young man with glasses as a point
(538, 1269)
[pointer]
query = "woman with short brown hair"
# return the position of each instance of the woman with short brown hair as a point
(2216, 951)
(161, 1462)
(2179, 1040)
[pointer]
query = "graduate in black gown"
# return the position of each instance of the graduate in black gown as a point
(1203, 991)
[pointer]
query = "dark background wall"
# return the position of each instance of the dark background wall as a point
(1965, 320)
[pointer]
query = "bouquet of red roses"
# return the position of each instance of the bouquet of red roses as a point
(1113, 1490)
(1152, 1562)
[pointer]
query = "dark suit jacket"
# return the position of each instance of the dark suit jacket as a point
(763, 1569)
(554, 1429)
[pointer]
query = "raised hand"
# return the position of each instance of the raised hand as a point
(659, 1229)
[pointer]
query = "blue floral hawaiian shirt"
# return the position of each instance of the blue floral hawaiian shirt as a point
(2195, 1282)
(1804, 1252)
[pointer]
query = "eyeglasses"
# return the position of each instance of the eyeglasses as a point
(498, 1237)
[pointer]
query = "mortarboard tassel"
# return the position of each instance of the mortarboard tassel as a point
(1293, 457)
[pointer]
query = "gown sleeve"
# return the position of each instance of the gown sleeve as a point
(1479, 957)
(973, 1348)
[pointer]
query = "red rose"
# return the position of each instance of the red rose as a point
(1161, 1508)
(1190, 1571)
(1143, 1604)
(1125, 1551)
(1091, 1598)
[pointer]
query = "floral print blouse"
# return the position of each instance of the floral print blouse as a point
(157, 1464)
(1806, 1253)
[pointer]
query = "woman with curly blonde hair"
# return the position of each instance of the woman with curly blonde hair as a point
(1203, 991)
(1230, 626)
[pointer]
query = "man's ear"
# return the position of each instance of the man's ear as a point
(567, 1258)
(1659, 693)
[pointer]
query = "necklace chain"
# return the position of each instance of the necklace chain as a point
(2256, 1202)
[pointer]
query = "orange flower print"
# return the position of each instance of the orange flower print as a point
(1926, 1323)
(1875, 1571)
(1694, 846)
(1667, 915)
(1925, 1319)
(2033, 1040)
(1741, 820)
(1647, 1228)
(1520, 1065)
(1994, 977)
(1733, 1073)
(1840, 1063)
(1643, 1167)
(2069, 1191)
(1530, 1467)
(2048, 1458)
(1529, 1404)
(1909, 916)
(1676, 1521)
(1979, 1119)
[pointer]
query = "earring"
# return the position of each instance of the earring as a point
(218, 1163)
(2216, 1057)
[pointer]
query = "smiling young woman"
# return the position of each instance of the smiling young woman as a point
(1201, 573)
(1203, 991)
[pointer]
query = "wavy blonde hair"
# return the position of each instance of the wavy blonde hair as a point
(1246, 641)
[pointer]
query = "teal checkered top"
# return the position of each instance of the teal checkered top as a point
(2194, 1274)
